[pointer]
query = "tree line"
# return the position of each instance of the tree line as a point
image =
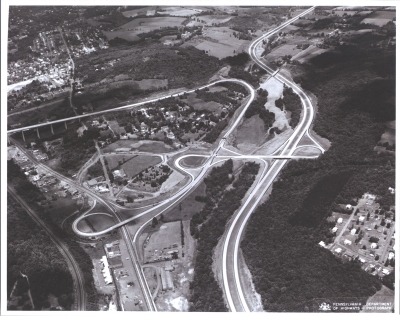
(280, 245)
(208, 226)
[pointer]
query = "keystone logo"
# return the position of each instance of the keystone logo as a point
(325, 307)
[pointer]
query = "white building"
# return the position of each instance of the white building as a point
(340, 220)
(353, 231)
(106, 270)
(374, 245)
(334, 229)
(348, 207)
(347, 242)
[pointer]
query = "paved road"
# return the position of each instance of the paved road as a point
(129, 106)
(231, 275)
(72, 264)
(144, 287)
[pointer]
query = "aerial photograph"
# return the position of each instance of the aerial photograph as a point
(198, 158)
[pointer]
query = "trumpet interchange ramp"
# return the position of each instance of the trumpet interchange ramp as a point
(271, 166)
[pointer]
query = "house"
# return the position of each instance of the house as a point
(347, 242)
(391, 255)
(385, 271)
(334, 229)
(106, 271)
(353, 231)
(322, 244)
(374, 245)
(119, 173)
(349, 207)
(340, 220)
(361, 218)
(338, 250)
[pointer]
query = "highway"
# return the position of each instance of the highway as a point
(230, 268)
(144, 288)
(72, 264)
(231, 276)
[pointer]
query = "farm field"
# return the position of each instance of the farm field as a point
(133, 164)
(189, 206)
(147, 84)
(141, 145)
(385, 296)
(144, 25)
(220, 42)
(307, 151)
(287, 49)
(138, 164)
(136, 12)
(341, 13)
(380, 18)
(309, 53)
(179, 11)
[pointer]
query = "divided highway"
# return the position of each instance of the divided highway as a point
(231, 276)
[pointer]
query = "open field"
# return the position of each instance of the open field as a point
(174, 179)
(138, 164)
(84, 227)
(308, 53)
(220, 42)
(116, 128)
(189, 206)
(166, 239)
(141, 145)
(151, 84)
(132, 165)
(100, 221)
(287, 49)
(193, 162)
(126, 35)
(179, 11)
(217, 19)
(144, 25)
(380, 18)
(136, 12)
(199, 104)
(250, 132)
(62, 208)
(307, 151)
(341, 13)
(114, 160)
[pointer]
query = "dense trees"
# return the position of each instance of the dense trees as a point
(293, 104)
(206, 295)
(281, 243)
(258, 107)
(214, 133)
(30, 251)
(240, 73)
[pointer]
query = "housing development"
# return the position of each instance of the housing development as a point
(200, 158)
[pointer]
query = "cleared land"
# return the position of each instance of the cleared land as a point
(141, 145)
(288, 49)
(250, 133)
(132, 165)
(179, 11)
(193, 162)
(189, 206)
(309, 53)
(144, 25)
(147, 84)
(380, 18)
(220, 42)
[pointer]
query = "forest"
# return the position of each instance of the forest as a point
(31, 194)
(31, 251)
(208, 226)
(258, 107)
(280, 246)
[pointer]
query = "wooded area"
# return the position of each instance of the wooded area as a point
(206, 295)
(281, 248)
